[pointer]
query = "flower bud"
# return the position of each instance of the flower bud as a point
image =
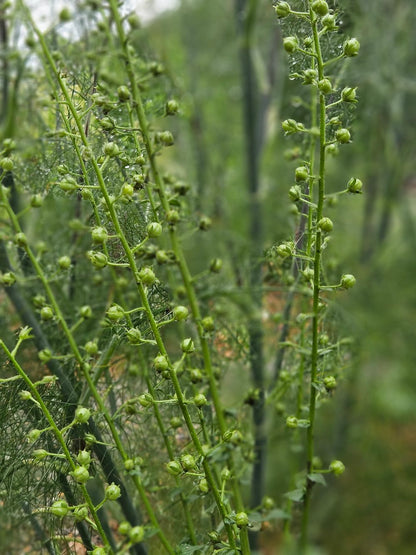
(97, 259)
(45, 355)
(91, 348)
(147, 276)
(290, 44)
(36, 201)
(241, 519)
(188, 462)
(325, 224)
(309, 76)
(112, 492)
(355, 185)
(320, 7)
(329, 22)
(154, 229)
(171, 107)
(348, 94)
(174, 468)
(282, 9)
(343, 136)
(123, 93)
(301, 173)
(175, 422)
(21, 239)
(136, 534)
(195, 375)
(46, 313)
(85, 312)
(330, 383)
(351, 47)
(59, 508)
(134, 336)
(127, 191)
(295, 193)
(285, 249)
(115, 313)
(187, 345)
(80, 513)
(348, 281)
(205, 223)
(6, 164)
(165, 138)
(64, 15)
(82, 415)
(180, 313)
(7, 279)
(172, 216)
(208, 323)
(337, 467)
(215, 265)
(111, 149)
(99, 235)
(200, 400)
(84, 458)
(325, 86)
(160, 363)
(80, 474)
(291, 422)
(64, 262)
(203, 486)
(146, 400)
(68, 184)
(40, 454)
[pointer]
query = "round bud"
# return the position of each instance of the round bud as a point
(21, 239)
(187, 345)
(99, 551)
(188, 462)
(215, 265)
(45, 355)
(147, 276)
(195, 375)
(165, 138)
(64, 15)
(309, 76)
(343, 136)
(33, 435)
(174, 468)
(6, 164)
(241, 519)
(85, 312)
(160, 363)
(208, 323)
(172, 216)
(123, 93)
(46, 313)
(200, 400)
(146, 400)
(127, 191)
(301, 173)
(180, 313)
(80, 474)
(355, 185)
(175, 422)
(351, 47)
(111, 149)
(282, 9)
(349, 94)
(40, 454)
(134, 21)
(205, 223)
(84, 458)
(97, 259)
(154, 229)
(136, 534)
(99, 235)
(332, 149)
(325, 224)
(348, 281)
(162, 257)
(91, 348)
(337, 467)
(325, 86)
(172, 107)
(7, 279)
(64, 262)
(290, 44)
(320, 7)
(59, 508)
(284, 249)
(115, 313)
(308, 273)
(203, 486)
(68, 184)
(329, 22)
(268, 503)
(330, 383)
(291, 422)
(82, 415)
(295, 193)
(36, 201)
(134, 336)
(112, 492)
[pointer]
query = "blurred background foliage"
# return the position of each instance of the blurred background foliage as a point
(370, 423)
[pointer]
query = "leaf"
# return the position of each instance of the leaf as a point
(318, 478)
(255, 517)
(277, 514)
(295, 495)
(303, 423)
(187, 549)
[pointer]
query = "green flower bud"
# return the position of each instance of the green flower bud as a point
(208, 323)
(172, 216)
(295, 193)
(154, 229)
(45, 355)
(165, 138)
(129, 464)
(291, 126)
(285, 249)
(127, 191)
(348, 281)
(68, 184)
(215, 265)
(241, 519)
(21, 239)
(123, 93)
(330, 383)
(282, 9)
(34, 434)
(203, 486)
(329, 22)
(7, 279)
(195, 375)
(82, 415)
(175, 422)
(320, 7)
(348, 94)
(111, 149)
(99, 551)
(64, 262)
(97, 259)
(99, 235)
(84, 458)
(325, 224)
(112, 492)
(180, 313)
(91, 348)
(343, 136)
(355, 185)
(147, 276)
(115, 313)
(64, 15)
(136, 534)
(85, 312)
(80, 474)
(268, 503)
(290, 44)
(187, 345)
(146, 400)
(188, 462)
(59, 508)
(160, 363)
(40, 454)
(6, 164)
(301, 173)
(351, 47)
(171, 107)
(162, 257)
(134, 21)
(337, 467)
(309, 76)
(291, 422)
(200, 400)
(325, 86)
(80, 513)
(46, 313)
(174, 468)
(205, 223)
(134, 336)
(36, 201)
